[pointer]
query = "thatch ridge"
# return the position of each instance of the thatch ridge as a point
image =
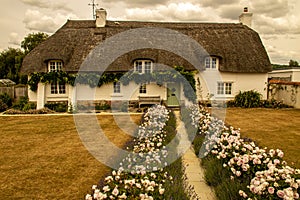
(239, 48)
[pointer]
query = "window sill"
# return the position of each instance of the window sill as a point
(58, 95)
(116, 95)
(225, 96)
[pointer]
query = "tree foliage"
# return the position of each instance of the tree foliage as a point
(32, 40)
(293, 63)
(10, 64)
(12, 58)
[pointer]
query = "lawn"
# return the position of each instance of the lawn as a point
(273, 128)
(42, 157)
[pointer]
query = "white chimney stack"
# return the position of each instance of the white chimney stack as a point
(246, 17)
(101, 17)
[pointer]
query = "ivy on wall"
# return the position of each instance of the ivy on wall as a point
(97, 80)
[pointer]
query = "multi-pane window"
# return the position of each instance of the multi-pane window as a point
(143, 66)
(148, 67)
(211, 63)
(143, 89)
(55, 66)
(117, 87)
(139, 66)
(58, 88)
(224, 88)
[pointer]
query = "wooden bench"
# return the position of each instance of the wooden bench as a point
(149, 100)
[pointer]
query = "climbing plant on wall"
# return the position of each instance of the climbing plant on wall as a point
(97, 80)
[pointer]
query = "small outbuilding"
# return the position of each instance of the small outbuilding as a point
(7, 86)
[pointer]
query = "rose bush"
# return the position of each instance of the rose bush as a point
(267, 174)
(141, 174)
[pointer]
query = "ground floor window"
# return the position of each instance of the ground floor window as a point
(143, 89)
(57, 88)
(224, 88)
(117, 87)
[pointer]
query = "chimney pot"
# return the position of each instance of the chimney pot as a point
(101, 15)
(246, 17)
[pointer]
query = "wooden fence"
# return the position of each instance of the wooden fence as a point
(15, 92)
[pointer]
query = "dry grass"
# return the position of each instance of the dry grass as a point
(274, 128)
(42, 157)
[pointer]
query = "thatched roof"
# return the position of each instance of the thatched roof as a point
(238, 47)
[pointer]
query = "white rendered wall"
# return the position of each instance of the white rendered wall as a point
(128, 92)
(240, 82)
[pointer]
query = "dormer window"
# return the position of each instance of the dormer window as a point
(143, 66)
(55, 66)
(211, 63)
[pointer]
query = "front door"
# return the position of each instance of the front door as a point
(173, 95)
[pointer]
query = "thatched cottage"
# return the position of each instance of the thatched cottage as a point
(225, 58)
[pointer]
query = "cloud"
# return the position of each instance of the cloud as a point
(269, 25)
(218, 3)
(279, 56)
(170, 12)
(137, 3)
(48, 5)
(14, 39)
(230, 11)
(35, 20)
(271, 8)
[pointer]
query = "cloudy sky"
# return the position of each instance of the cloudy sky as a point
(277, 21)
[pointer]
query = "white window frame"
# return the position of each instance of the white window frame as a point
(56, 88)
(225, 88)
(142, 66)
(55, 66)
(211, 63)
(117, 87)
(143, 89)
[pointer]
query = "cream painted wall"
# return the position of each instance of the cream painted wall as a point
(240, 82)
(128, 92)
(32, 95)
(289, 95)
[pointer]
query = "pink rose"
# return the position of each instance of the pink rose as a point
(271, 190)
(280, 193)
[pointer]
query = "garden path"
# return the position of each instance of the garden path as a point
(193, 168)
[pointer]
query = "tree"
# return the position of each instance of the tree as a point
(293, 63)
(32, 40)
(10, 64)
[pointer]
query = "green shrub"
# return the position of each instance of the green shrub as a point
(20, 104)
(273, 104)
(262, 103)
(18, 112)
(6, 99)
(57, 106)
(247, 99)
(102, 106)
(29, 106)
(23, 104)
(3, 106)
(197, 143)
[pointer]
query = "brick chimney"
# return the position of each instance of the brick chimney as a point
(101, 17)
(246, 17)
